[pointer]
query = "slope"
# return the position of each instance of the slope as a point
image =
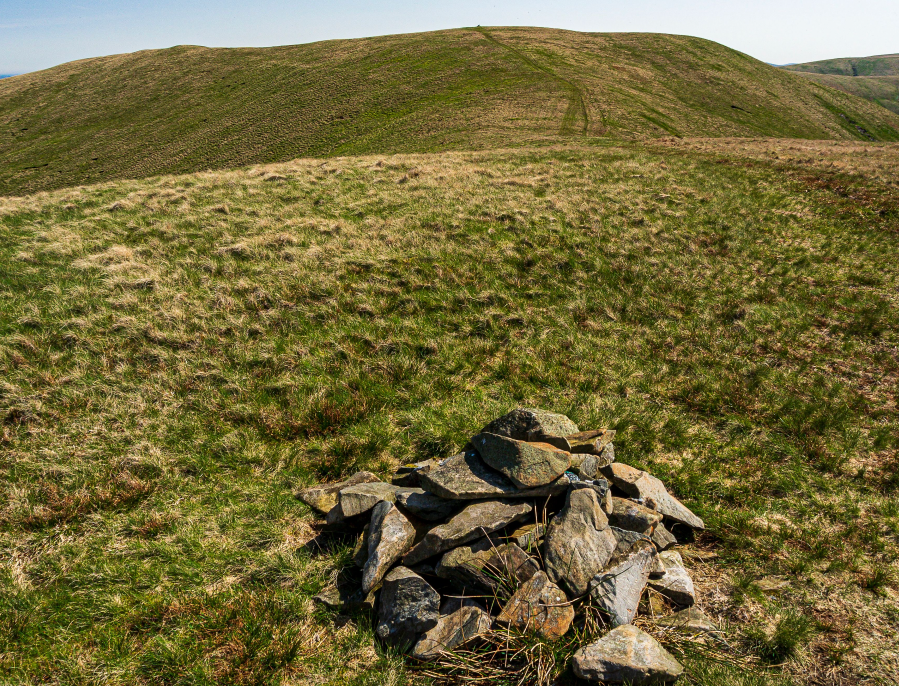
(884, 90)
(178, 354)
(193, 108)
(877, 65)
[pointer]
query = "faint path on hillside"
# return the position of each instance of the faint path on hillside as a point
(577, 106)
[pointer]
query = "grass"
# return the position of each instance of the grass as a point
(178, 354)
(884, 90)
(877, 65)
(190, 108)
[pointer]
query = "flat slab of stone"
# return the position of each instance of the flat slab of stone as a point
(323, 498)
(408, 607)
(578, 542)
(526, 424)
(527, 465)
(356, 500)
(427, 506)
(626, 655)
(676, 584)
(590, 442)
(626, 540)
(538, 606)
(691, 620)
(484, 566)
(475, 521)
(626, 514)
(390, 537)
(639, 484)
(460, 622)
(466, 477)
(617, 589)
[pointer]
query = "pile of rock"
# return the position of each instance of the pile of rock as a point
(534, 520)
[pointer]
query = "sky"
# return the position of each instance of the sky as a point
(36, 34)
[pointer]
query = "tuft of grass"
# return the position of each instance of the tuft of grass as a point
(791, 633)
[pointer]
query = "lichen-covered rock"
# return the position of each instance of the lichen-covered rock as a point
(407, 608)
(390, 537)
(626, 514)
(590, 442)
(676, 584)
(539, 606)
(639, 484)
(527, 465)
(475, 521)
(603, 490)
(483, 566)
(534, 425)
(617, 589)
(528, 536)
(346, 597)
(426, 505)
(663, 538)
(626, 655)
(360, 550)
(578, 542)
(323, 498)
(466, 477)
(626, 539)
(460, 621)
(358, 499)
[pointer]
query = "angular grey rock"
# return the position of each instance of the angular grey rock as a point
(466, 477)
(578, 542)
(475, 521)
(323, 498)
(639, 484)
(626, 539)
(691, 620)
(356, 500)
(534, 425)
(539, 606)
(409, 474)
(528, 536)
(390, 537)
(590, 442)
(626, 514)
(589, 465)
(460, 621)
(527, 465)
(407, 608)
(426, 505)
(484, 566)
(657, 571)
(663, 538)
(603, 490)
(626, 655)
(676, 585)
(617, 589)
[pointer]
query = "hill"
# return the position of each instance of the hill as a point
(179, 354)
(877, 65)
(872, 78)
(193, 108)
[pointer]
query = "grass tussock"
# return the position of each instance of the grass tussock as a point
(170, 373)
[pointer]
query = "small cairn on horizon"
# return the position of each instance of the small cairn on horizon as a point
(533, 520)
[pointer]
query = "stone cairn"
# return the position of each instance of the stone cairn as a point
(534, 518)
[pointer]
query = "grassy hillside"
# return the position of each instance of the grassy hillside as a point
(878, 65)
(192, 108)
(884, 90)
(178, 354)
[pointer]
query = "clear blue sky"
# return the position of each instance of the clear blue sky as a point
(35, 34)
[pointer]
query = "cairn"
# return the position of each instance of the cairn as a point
(534, 519)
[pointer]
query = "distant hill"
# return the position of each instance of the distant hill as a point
(877, 65)
(6, 76)
(873, 78)
(193, 108)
